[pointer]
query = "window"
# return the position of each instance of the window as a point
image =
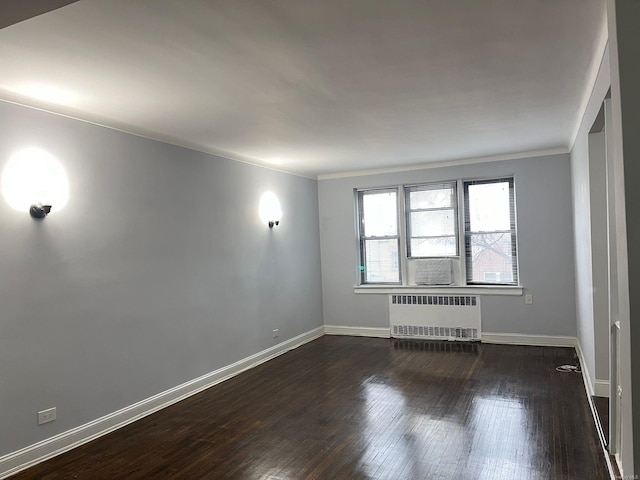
(490, 232)
(434, 215)
(379, 236)
(432, 223)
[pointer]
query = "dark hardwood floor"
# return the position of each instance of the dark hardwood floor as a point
(356, 408)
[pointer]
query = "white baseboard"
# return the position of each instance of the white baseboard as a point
(601, 388)
(503, 338)
(586, 377)
(619, 465)
(357, 331)
(523, 339)
(41, 451)
(597, 388)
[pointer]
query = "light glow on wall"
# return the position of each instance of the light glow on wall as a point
(270, 210)
(278, 161)
(46, 93)
(34, 176)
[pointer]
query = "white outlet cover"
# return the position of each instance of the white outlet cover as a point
(46, 416)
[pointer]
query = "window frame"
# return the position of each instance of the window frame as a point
(362, 238)
(462, 222)
(512, 231)
(408, 210)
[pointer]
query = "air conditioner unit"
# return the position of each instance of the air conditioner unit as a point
(432, 271)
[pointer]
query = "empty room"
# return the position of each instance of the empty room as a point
(295, 239)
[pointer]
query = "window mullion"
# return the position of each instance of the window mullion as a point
(403, 234)
(484, 232)
(384, 237)
(435, 209)
(363, 241)
(462, 234)
(514, 237)
(434, 236)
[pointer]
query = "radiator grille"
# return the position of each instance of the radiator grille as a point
(456, 333)
(453, 300)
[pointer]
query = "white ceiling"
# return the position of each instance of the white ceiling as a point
(316, 86)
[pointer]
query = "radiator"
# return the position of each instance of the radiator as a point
(439, 317)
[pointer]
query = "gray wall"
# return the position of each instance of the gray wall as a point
(158, 271)
(545, 241)
(581, 191)
(583, 264)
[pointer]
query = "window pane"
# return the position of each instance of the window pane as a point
(489, 207)
(491, 257)
(380, 214)
(437, 196)
(432, 223)
(434, 247)
(432, 213)
(381, 261)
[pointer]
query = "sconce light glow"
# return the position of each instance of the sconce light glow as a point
(46, 93)
(277, 161)
(33, 176)
(270, 211)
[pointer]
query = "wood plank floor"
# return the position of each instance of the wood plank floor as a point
(357, 408)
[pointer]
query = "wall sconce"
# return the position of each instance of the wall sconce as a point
(34, 181)
(39, 211)
(270, 211)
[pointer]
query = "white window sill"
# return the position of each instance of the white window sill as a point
(438, 290)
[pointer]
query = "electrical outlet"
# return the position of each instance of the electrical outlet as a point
(276, 332)
(46, 416)
(528, 299)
